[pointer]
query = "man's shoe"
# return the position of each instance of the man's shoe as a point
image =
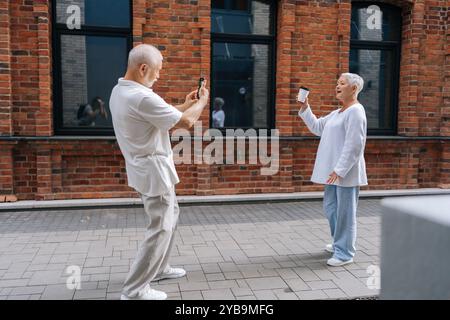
(146, 294)
(333, 262)
(329, 248)
(172, 273)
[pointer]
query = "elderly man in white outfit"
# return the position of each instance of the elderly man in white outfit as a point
(141, 121)
(340, 164)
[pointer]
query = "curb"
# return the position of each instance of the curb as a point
(211, 200)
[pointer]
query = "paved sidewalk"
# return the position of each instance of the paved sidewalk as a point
(240, 251)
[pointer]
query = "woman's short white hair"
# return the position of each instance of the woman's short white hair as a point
(144, 54)
(354, 80)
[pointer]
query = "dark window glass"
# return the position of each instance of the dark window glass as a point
(375, 56)
(90, 67)
(241, 17)
(87, 63)
(96, 13)
(241, 73)
(242, 80)
(242, 5)
(375, 66)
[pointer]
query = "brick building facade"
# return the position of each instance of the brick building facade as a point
(312, 43)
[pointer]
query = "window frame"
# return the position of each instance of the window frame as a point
(60, 29)
(241, 38)
(383, 45)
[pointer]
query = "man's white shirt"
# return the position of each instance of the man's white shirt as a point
(141, 121)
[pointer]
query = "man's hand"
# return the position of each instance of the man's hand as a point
(191, 98)
(332, 178)
(303, 105)
(189, 101)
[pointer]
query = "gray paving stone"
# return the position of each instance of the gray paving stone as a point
(335, 293)
(89, 294)
(47, 277)
(57, 292)
(321, 284)
(27, 290)
(246, 298)
(283, 295)
(214, 276)
(312, 295)
(223, 284)
(19, 297)
(218, 294)
(297, 284)
(191, 295)
(287, 273)
(196, 276)
(265, 295)
(266, 283)
(241, 292)
(192, 286)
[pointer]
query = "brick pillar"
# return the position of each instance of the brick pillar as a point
(444, 180)
(56, 164)
(44, 172)
(409, 167)
(204, 171)
(408, 121)
(203, 32)
(445, 110)
(6, 169)
(343, 22)
(286, 114)
(286, 167)
(139, 7)
(5, 71)
(44, 115)
(286, 111)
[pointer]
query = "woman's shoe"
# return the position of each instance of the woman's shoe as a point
(333, 262)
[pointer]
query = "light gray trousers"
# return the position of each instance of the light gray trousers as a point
(153, 254)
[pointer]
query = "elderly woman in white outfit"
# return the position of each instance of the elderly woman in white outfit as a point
(340, 164)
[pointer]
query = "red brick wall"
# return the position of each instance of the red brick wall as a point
(313, 40)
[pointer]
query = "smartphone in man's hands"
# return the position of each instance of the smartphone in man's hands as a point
(200, 83)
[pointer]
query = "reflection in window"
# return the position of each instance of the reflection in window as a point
(90, 67)
(242, 67)
(88, 61)
(375, 66)
(374, 54)
(241, 73)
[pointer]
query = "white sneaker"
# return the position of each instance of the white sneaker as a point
(329, 248)
(172, 273)
(337, 263)
(146, 294)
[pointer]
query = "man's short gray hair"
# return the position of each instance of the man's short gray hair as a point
(144, 54)
(354, 80)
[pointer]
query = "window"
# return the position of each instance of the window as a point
(375, 55)
(91, 40)
(243, 55)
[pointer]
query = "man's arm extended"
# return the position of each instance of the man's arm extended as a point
(192, 113)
